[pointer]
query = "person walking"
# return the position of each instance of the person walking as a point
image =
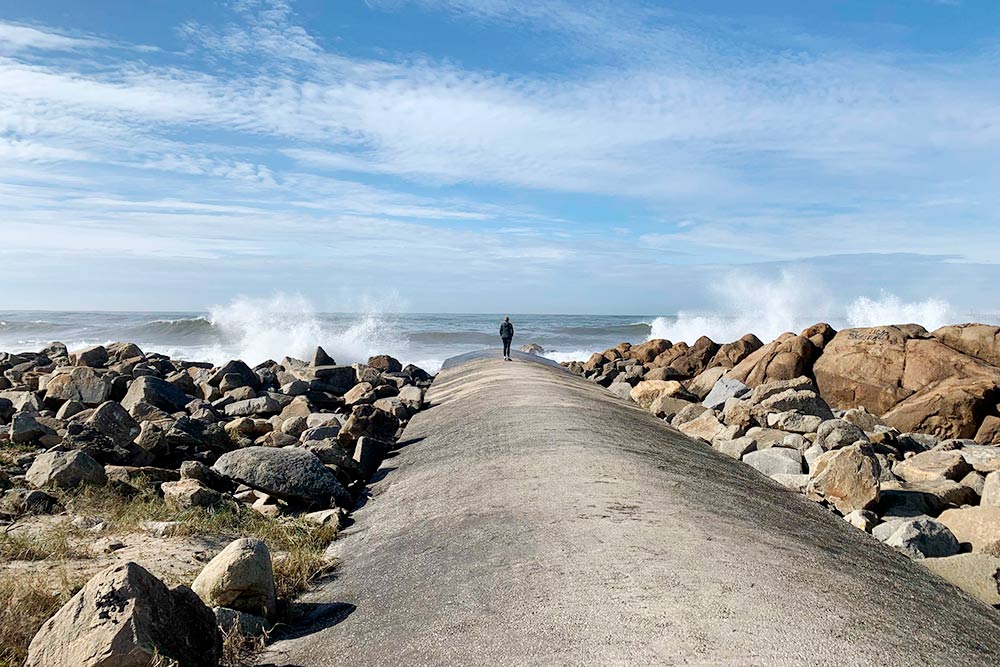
(506, 335)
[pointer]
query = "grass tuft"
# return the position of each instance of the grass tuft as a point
(25, 604)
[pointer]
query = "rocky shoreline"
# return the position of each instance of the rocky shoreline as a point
(292, 443)
(894, 428)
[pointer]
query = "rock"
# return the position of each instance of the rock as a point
(937, 494)
(954, 408)
(975, 482)
(704, 382)
(736, 448)
(385, 363)
(731, 354)
(293, 474)
(723, 390)
(140, 476)
(785, 358)
(369, 454)
(412, 397)
(113, 421)
(332, 518)
(738, 412)
(706, 427)
(321, 358)
(863, 419)
(765, 391)
(978, 527)
(94, 357)
(84, 385)
(155, 392)
(767, 437)
(793, 422)
(320, 432)
(648, 391)
(188, 493)
(934, 464)
(667, 407)
(848, 478)
(124, 617)
(237, 367)
(295, 426)
(361, 393)
(774, 461)
(989, 431)
(65, 470)
(262, 405)
(837, 433)
(16, 502)
(663, 373)
(692, 411)
(163, 528)
(797, 483)
(24, 429)
(533, 348)
(812, 454)
(802, 401)
(981, 341)
(393, 406)
(976, 574)
(241, 578)
(690, 361)
(366, 420)
(991, 489)
(862, 519)
(923, 538)
(231, 621)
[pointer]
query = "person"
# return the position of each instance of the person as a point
(506, 335)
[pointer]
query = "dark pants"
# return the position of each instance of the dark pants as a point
(506, 346)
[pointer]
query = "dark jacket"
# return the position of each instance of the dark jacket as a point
(507, 330)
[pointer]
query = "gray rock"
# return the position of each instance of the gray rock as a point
(95, 357)
(65, 470)
(775, 461)
(262, 405)
(321, 358)
(723, 390)
(240, 577)
(79, 384)
(737, 447)
(369, 453)
(793, 422)
(237, 367)
(126, 617)
(768, 389)
(923, 538)
(187, 493)
(24, 428)
(976, 574)
(412, 397)
(231, 621)
(796, 483)
(812, 454)
(113, 421)
(155, 392)
(290, 473)
(837, 433)
(802, 401)
(622, 390)
(690, 413)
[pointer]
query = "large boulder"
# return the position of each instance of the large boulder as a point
(235, 367)
(706, 427)
(94, 357)
(723, 390)
(696, 358)
(923, 538)
(188, 493)
(933, 464)
(976, 574)
(155, 392)
(978, 527)
(775, 461)
(847, 478)
(112, 420)
(82, 384)
(733, 353)
(837, 433)
(65, 470)
(289, 473)
(648, 391)
(241, 578)
(126, 617)
(646, 352)
(981, 341)
(367, 420)
(785, 358)
(25, 428)
(953, 408)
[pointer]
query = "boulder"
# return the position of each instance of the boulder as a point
(237, 367)
(240, 577)
(798, 483)
(187, 493)
(847, 478)
(705, 427)
(862, 519)
(290, 473)
(978, 527)
(261, 405)
(723, 390)
(793, 422)
(704, 382)
(367, 420)
(65, 470)
(863, 419)
(363, 392)
(369, 454)
(25, 428)
(768, 389)
(648, 391)
(802, 401)
(113, 421)
(981, 341)
(785, 358)
(233, 622)
(696, 358)
(736, 448)
(412, 397)
(666, 407)
(692, 411)
(923, 538)
(321, 358)
(989, 431)
(126, 617)
(730, 354)
(837, 433)
(991, 489)
(774, 461)
(953, 408)
(976, 574)
(82, 384)
(646, 352)
(94, 357)
(385, 363)
(155, 392)
(933, 464)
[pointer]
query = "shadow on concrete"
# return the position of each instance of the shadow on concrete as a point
(310, 617)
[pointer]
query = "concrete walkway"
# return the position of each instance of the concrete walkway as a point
(534, 519)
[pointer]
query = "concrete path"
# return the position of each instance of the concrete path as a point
(534, 519)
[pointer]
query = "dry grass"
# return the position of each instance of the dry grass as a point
(240, 650)
(55, 543)
(25, 604)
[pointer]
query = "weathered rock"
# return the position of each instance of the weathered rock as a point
(705, 427)
(231, 621)
(802, 401)
(369, 454)
(837, 433)
(793, 422)
(923, 538)
(704, 382)
(862, 519)
(848, 478)
(65, 470)
(360, 393)
(738, 412)
(82, 384)
(187, 493)
(766, 390)
(723, 390)
(863, 419)
(954, 408)
(730, 354)
(385, 363)
(236, 367)
(667, 407)
(24, 429)
(978, 527)
(155, 392)
(976, 574)
(393, 406)
(692, 411)
(991, 489)
(241, 577)
(124, 617)
(367, 420)
(94, 357)
(112, 420)
(292, 474)
(736, 448)
(774, 461)
(989, 431)
(981, 341)
(15, 502)
(321, 358)
(262, 405)
(785, 358)
(934, 464)
(796, 482)
(648, 391)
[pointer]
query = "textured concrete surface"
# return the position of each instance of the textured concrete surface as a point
(534, 519)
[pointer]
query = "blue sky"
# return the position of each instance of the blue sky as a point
(496, 155)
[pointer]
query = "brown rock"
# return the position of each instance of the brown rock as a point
(989, 431)
(646, 352)
(648, 391)
(951, 409)
(787, 357)
(848, 478)
(733, 353)
(933, 464)
(981, 341)
(696, 358)
(978, 527)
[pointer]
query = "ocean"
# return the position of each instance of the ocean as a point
(257, 330)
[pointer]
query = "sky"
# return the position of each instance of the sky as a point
(497, 155)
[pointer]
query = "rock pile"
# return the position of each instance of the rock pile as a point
(894, 428)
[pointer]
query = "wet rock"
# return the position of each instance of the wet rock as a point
(123, 617)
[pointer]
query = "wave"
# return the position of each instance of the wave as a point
(452, 338)
(626, 330)
(185, 328)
